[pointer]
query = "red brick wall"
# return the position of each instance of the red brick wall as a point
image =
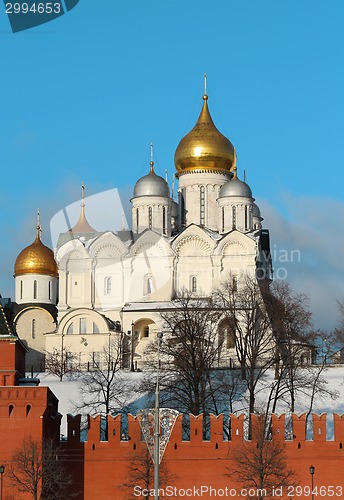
(196, 462)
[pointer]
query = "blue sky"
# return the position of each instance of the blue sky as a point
(83, 97)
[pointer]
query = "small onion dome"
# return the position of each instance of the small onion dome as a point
(204, 147)
(151, 185)
(82, 226)
(174, 209)
(36, 259)
(256, 211)
(235, 187)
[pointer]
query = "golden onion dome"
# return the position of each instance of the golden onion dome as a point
(204, 148)
(36, 259)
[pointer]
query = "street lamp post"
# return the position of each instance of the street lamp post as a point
(312, 470)
(2, 470)
(132, 369)
(157, 427)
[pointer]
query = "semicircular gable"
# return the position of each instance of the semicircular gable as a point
(151, 244)
(83, 313)
(150, 248)
(234, 248)
(107, 246)
(73, 247)
(235, 243)
(31, 308)
(193, 246)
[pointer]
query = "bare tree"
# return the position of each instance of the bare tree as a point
(141, 475)
(291, 323)
(59, 362)
(250, 328)
(189, 351)
(37, 469)
(104, 389)
(261, 464)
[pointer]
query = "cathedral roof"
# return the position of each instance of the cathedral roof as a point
(204, 148)
(235, 187)
(82, 226)
(36, 258)
(5, 326)
(151, 185)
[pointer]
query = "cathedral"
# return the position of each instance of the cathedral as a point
(96, 285)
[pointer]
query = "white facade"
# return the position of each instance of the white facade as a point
(115, 283)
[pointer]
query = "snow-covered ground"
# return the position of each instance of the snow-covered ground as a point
(68, 394)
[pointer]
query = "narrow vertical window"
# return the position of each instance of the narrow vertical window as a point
(137, 219)
(223, 219)
(33, 328)
(35, 289)
(202, 205)
(149, 285)
(194, 284)
(21, 289)
(82, 325)
(108, 285)
(164, 220)
(233, 217)
(246, 217)
(235, 283)
(49, 291)
(150, 217)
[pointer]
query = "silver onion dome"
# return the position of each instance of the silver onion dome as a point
(256, 211)
(235, 187)
(151, 185)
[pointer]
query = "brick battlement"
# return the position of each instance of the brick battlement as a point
(108, 465)
(288, 432)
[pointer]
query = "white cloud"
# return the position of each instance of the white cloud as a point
(310, 235)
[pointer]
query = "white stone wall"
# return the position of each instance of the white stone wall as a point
(190, 185)
(32, 325)
(158, 205)
(44, 291)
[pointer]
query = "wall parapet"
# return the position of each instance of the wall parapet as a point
(220, 429)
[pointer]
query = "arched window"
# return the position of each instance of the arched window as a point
(145, 332)
(107, 285)
(21, 289)
(150, 217)
(10, 410)
(223, 219)
(82, 326)
(49, 291)
(70, 329)
(35, 289)
(202, 205)
(137, 219)
(246, 217)
(149, 284)
(233, 217)
(227, 333)
(235, 283)
(33, 329)
(164, 220)
(28, 409)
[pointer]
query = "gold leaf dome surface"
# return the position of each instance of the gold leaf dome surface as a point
(204, 147)
(36, 259)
